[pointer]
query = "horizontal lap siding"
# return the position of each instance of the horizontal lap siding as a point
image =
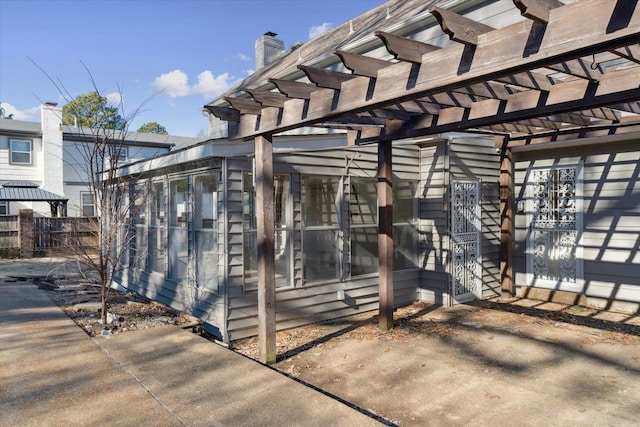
(315, 303)
(433, 224)
(611, 219)
(476, 158)
(308, 303)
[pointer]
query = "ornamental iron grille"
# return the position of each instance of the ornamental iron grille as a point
(554, 227)
(465, 225)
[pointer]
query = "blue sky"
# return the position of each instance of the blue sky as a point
(167, 57)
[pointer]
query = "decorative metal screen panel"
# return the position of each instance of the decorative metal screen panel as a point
(553, 227)
(465, 225)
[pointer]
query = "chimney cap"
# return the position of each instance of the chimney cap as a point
(51, 103)
(270, 34)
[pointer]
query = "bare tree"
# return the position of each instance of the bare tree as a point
(119, 204)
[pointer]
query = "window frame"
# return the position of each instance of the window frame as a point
(283, 224)
(84, 205)
(4, 207)
(13, 151)
(335, 228)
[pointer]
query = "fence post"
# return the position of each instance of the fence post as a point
(26, 227)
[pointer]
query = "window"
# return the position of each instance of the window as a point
(87, 204)
(4, 208)
(405, 224)
(156, 241)
(320, 228)
(139, 194)
(20, 151)
(281, 191)
(363, 211)
(178, 230)
(206, 197)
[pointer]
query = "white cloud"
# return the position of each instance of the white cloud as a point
(316, 30)
(114, 98)
(175, 84)
(242, 57)
(172, 84)
(209, 86)
(28, 115)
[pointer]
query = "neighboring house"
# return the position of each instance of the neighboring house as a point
(50, 156)
(541, 191)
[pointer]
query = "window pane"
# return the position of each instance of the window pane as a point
(178, 196)
(205, 200)
(178, 256)
(364, 250)
(157, 204)
(320, 255)
(156, 249)
(282, 259)
(23, 146)
(404, 200)
(20, 157)
(4, 208)
(405, 247)
(319, 206)
(280, 201)
(363, 201)
(88, 211)
(206, 259)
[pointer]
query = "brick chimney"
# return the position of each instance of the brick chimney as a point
(267, 48)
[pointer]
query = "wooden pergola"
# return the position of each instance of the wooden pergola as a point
(565, 72)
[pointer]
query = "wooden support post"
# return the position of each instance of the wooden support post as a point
(385, 235)
(506, 221)
(266, 250)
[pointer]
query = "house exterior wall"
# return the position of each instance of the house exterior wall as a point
(303, 303)
(475, 157)
(459, 157)
(609, 196)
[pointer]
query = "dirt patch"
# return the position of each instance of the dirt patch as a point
(127, 311)
(491, 363)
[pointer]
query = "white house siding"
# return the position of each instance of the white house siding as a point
(610, 219)
(303, 303)
(475, 157)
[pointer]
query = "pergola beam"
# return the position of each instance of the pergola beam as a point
(361, 65)
(326, 78)
(245, 105)
(405, 49)
(267, 98)
(537, 10)
(458, 27)
(293, 89)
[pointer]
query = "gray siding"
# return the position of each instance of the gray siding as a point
(475, 157)
(434, 224)
(610, 219)
(312, 302)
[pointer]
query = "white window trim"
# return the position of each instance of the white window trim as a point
(11, 151)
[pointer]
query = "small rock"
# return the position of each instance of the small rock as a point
(106, 333)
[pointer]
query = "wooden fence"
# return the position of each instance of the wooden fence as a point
(49, 235)
(9, 234)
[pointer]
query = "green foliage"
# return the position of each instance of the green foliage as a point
(153, 127)
(93, 111)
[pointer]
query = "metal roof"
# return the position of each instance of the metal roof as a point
(27, 192)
